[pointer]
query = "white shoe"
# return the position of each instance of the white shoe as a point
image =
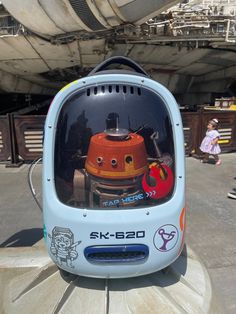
(232, 195)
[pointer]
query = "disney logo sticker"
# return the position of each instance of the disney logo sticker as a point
(166, 238)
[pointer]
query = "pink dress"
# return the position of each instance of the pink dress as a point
(207, 147)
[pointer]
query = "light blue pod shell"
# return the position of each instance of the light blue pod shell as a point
(84, 228)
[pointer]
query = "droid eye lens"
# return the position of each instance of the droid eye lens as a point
(128, 159)
(99, 160)
(113, 162)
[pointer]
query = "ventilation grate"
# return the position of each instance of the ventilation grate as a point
(83, 11)
(116, 253)
(33, 140)
(116, 89)
(1, 142)
(225, 135)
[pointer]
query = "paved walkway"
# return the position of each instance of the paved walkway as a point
(211, 225)
(211, 219)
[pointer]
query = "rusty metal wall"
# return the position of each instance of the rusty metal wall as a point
(191, 131)
(24, 140)
(5, 144)
(29, 136)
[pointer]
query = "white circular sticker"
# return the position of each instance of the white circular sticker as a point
(166, 238)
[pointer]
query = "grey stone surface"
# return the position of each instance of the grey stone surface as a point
(20, 217)
(38, 286)
(211, 223)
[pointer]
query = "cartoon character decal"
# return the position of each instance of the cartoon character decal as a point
(166, 238)
(63, 246)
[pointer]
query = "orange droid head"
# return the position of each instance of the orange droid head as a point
(116, 155)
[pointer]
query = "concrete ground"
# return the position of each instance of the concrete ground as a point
(211, 219)
(211, 225)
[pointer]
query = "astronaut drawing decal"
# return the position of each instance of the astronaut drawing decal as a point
(63, 246)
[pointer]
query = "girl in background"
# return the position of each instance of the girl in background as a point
(209, 145)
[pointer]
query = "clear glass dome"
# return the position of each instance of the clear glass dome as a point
(114, 148)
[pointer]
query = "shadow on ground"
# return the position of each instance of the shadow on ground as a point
(26, 237)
